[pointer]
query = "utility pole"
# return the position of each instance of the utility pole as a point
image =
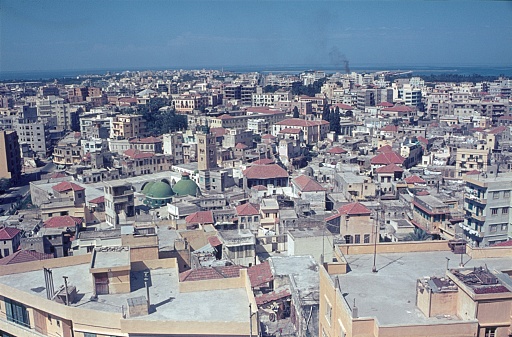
(66, 288)
(374, 267)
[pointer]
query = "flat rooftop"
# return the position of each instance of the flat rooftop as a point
(390, 294)
(110, 257)
(167, 303)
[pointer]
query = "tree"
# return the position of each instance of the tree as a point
(295, 112)
(418, 235)
(325, 115)
(5, 184)
(334, 120)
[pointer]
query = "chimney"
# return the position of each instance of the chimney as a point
(137, 306)
(355, 310)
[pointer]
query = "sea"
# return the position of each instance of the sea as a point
(287, 69)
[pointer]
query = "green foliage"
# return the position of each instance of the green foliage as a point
(271, 88)
(309, 90)
(159, 121)
(418, 235)
(295, 112)
(334, 121)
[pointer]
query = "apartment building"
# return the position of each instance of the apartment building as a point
(68, 151)
(173, 145)
(415, 290)
(10, 158)
(487, 204)
(467, 160)
(119, 202)
(270, 98)
(128, 126)
(314, 131)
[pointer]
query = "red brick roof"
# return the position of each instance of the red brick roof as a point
(414, 180)
(390, 128)
(265, 172)
(147, 140)
(214, 241)
(98, 200)
(247, 209)
(391, 168)
(354, 208)
(210, 273)
(306, 184)
(225, 116)
(385, 104)
(24, 256)
(498, 129)
(63, 221)
(422, 139)
(272, 296)
(337, 150)
(241, 146)
(8, 233)
(136, 154)
(67, 186)
(268, 136)
(399, 108)
(386, 158)
(264, 161)
(300, 122)
(344, 106)
(260, 274)
(259, 188)
(384, 149)
(201, 217)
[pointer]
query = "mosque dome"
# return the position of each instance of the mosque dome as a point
(185, 186)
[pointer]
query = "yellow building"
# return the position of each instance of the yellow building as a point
(418, 289)
(128, 126)
(107, 296)
(10, 160)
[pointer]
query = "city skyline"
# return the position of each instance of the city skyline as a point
(57, 35)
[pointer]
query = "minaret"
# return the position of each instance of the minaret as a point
(206, 151)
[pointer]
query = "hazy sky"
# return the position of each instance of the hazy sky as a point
(60, 35)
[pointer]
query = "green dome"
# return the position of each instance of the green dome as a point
(160, 190)
(147, 187)
(185, 186)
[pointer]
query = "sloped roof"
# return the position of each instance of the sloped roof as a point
(225, 116)
(501, 244)
(24, 256)
(8, 233)
(300, 122)
(98, 200)
(241, 146)
(354, 208)
(414, 180)
(263, 161)
(391, 168)
(271, 296)
(336, 150)
(385, 104)
(210, 273)
(67, 186)
(259, 188)
(63, 221)
(399, 108)
(390, 128)
(268, 136)
(214, 241)
(147, 140)
(247, 209)
(473, 172)
(307, 184)
(344, 106)
(201, 217)
(265, 172)
(386, 158)
(137, 154)
(384, 149)
(260, 274)
(290, 131)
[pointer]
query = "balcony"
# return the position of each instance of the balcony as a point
(470, 198)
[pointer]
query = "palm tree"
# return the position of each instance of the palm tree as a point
(418, 235)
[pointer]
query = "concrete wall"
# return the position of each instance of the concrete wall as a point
(393, 247)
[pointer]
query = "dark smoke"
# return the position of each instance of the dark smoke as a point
(338, 59)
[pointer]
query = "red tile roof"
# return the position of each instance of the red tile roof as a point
(67, 186)
(498, 129)
(136, 154)
(337, 150)
(218, 131)
(424, 192)
(201, 217)
(241, 146)
(384, 149)
(98, 200)
(63, 221)
(306, 184)
(147, 140)
(214, 241)
(225, 116)
(344, 106)
(56, 175)
(8, 233)
(354, 208)
(247, 209)
(501, 244)
(422, 139)
(390, 128)
(260, 274)
(264, 161)
(391, 168)
(414, 180)
(385, 104)
(399, 108)
(210, 273)
(473, 172)
(24, 256)
(268, 136)
(386, 158)
(271, 297)
(259, 188)
(265, 172)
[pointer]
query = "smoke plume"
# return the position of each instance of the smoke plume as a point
(338, 59)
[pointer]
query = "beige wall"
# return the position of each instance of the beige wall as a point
(393, 247)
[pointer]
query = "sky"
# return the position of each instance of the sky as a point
(48, 35)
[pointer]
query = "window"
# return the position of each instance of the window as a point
(89, 334)
(495, 195)
(504, 226)
(328, 311)
(16, 312)
(357, 238)
(504, 210)
(494, 211)
(367, 238)
(493, 228)
(490, 332)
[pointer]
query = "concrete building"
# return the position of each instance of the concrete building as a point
(206, 152)
(119, 202)
(419, 293)
(352, 221)
(10, 158)
(467, 160)
(128, 126)
(10, 239)
(314, 131)
(173, 145)
(487, 203)
(310, 190)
